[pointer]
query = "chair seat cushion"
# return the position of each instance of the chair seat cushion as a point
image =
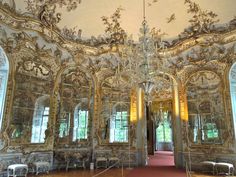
(101, 159)
(229, 165)
(15, 166)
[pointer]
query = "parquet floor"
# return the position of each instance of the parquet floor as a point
(205, 175)
(116, 172)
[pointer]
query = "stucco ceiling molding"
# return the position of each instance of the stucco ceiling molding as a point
(20, 22)
(214, 66)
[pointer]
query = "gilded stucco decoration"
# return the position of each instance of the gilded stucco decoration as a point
(163, 89)
(114, 31)
(33, 80)
(46, 10)
(75, 92)
(47, 62)
(202, 20)
(111, 94)
(208, 122)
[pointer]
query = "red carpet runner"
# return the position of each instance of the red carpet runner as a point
(159, 165)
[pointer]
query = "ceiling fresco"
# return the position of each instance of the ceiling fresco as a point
(171, 17)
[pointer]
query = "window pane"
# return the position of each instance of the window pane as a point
(119, 132)
(164, 132)
(80, 125)
(160, 134)
(64, 126)
(40, 123)
(3, 86)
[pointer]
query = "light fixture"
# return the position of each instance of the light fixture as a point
(158, 115)
(140, 62)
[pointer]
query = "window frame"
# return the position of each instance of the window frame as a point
(116, 131)
(165, 127)
(40, 120)
(232, 89)
(3, 69)
(84, 128)
(42, 127)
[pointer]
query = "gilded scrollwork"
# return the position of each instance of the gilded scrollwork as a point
(74, 94)
(116, 34)
(46, 9)
(38, 51)
(202, 21)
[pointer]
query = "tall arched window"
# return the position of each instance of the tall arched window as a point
(119, 124)
(232, 79)
(163, 131)
(4, 67)
(80, 130)
(40, 120)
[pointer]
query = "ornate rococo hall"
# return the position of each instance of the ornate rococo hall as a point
(67, 96)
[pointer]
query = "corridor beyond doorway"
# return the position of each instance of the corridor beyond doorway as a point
(161, 158)
(160, 164)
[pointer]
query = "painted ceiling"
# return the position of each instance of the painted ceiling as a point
(170, 16)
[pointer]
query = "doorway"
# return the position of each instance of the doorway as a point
(163, 131)
(161, 117)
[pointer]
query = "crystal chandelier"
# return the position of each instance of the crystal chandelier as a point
(139, 62)
(158, 116)
(148, 50)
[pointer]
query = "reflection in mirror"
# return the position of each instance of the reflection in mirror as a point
(30, 105)
(161, 115)
(232, 79)
(119, 123)
(64, 124)
(115, 112)
(80, 130)
(73, 121)
(23, 111)
(113, 122)
(40, 120)
(205, 108)
(4, 67)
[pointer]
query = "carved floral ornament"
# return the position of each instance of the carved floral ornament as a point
(202, 18)
(195, 56)
(180, 57)
(199, 54)
(195, 50)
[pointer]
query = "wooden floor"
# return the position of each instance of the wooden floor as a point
(116, 172)
(205, 175)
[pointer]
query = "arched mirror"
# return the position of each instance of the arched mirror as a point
(74, 120)
(4, 69)
(232, 80)
(40, 120)
(114, 120)
(31, 99)
(205, 108)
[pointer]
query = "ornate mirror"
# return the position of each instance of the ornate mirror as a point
(205, 108)
(74, 120)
